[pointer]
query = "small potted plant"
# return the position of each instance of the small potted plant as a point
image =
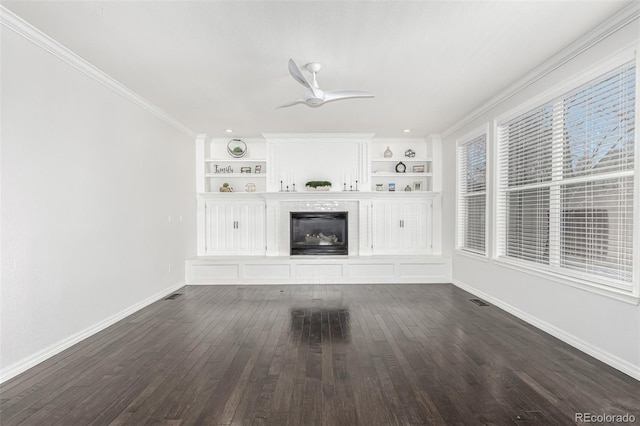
(226, 188)
(318, 185)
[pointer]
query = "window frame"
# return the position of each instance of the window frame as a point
(460, 144)
(590, 282)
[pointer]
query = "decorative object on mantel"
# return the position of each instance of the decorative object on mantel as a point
(250, 187)
(407, 188)
(318, 185)
(417, 186)
(245, 169)
(237, 148)
(388, 153)
(226, 188)
(401, 167)
(258, 168)
(392, 187)
(409, 153)
(379, 187)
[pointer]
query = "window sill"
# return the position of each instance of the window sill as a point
(631, 297)
(472, 255)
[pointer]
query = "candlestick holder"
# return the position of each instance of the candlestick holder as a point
(281, 190)
(356, 184)
(344, 186)
(294, 187)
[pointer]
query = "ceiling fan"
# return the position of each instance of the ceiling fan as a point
(314, 96)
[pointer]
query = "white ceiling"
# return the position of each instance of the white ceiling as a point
(215, 65)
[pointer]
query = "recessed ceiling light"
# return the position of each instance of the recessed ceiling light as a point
(228, 130)
(407, 130)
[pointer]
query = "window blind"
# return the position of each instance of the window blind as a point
(565, 181)
(472, 190)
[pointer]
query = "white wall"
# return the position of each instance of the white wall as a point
(608, 329)
(88, 182)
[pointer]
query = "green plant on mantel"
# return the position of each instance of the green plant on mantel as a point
(317, 183)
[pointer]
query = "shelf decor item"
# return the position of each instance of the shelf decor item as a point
(237, 148)
(245, 169)
(388, 153)
(392, 187)
(401, 167)
(250, 187)
(417, 186)
(258, 168)
(407, 188)
(409, 153)
(226, 188)
(379, 187)
(318, 185)
(418, 168)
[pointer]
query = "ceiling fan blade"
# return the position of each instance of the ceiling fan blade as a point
(297, 101)
(297, 74)
(336, 95)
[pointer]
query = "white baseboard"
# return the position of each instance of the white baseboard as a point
(596, 352)
(35, 359)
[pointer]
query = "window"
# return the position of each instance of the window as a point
(472, 193)
(566, 182)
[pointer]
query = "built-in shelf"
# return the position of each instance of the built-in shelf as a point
(236, 175)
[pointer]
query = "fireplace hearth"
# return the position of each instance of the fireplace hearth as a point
(319, 233)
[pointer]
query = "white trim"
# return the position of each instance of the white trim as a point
(40, 39)
(601, 32)
(566, 279)
(23, 365)
(594, 351)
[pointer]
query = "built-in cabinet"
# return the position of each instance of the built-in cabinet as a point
(234, 227)
(246, 221)
(402, 226)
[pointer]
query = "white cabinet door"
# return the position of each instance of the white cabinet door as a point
(249, 228)
(416, 225)
(234, 227)
(401, 226)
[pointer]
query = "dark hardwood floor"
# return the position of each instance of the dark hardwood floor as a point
(318, 354)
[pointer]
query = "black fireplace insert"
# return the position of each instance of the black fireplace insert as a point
(319, 233)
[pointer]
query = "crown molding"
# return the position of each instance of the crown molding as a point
(34, 35)
(614, 23)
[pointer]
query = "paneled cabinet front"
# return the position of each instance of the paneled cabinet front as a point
(234, 227)
(402, 226)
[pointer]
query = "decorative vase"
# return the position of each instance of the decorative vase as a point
(407, 188)
(388, 153)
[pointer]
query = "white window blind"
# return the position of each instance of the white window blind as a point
(565, 182)
(472, 192)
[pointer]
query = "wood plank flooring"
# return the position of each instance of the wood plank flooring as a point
(321, 355)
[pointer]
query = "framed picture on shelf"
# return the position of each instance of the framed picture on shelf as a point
(417, 186)
(258, 168)
(418, 168)
(245, 169)
(392, 187)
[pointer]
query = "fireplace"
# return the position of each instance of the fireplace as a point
(319, 233)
